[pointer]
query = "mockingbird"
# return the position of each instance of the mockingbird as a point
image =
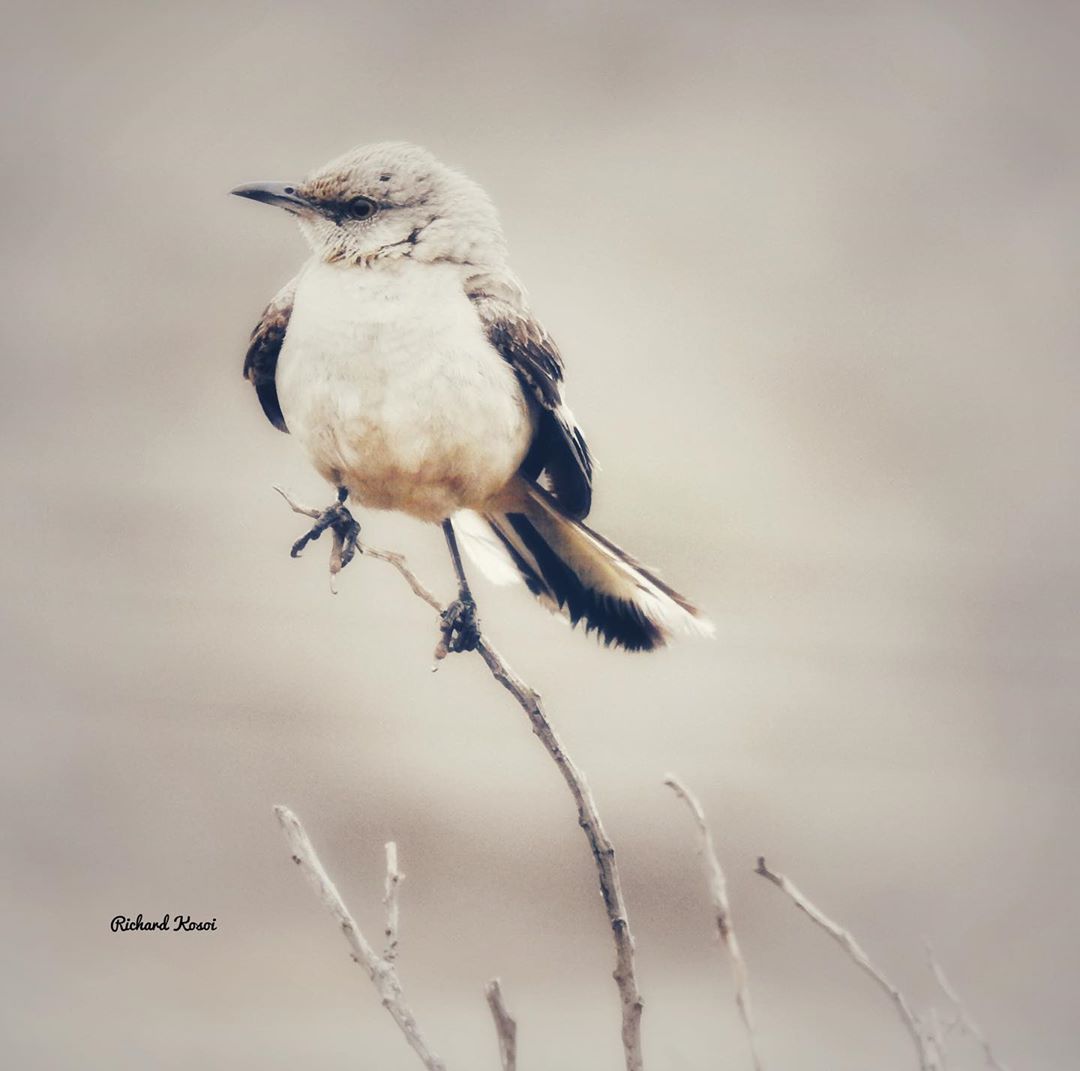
(405, 360)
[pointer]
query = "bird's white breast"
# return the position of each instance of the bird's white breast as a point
(387, 379)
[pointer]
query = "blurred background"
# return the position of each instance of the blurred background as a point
(814, 270)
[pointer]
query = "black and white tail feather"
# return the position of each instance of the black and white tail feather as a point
(573, 570)
(538, 535)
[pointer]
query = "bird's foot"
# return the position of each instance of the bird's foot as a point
(460, 627)
(341, 522)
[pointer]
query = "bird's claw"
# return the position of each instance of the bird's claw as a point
(460, 628)
(345, 527)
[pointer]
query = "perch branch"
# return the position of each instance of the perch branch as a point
(602, 849)
(717, 886)
(588, 818)
(391, 902)
(380, 970)
(928, 1060)
(505, 1027)
(963, 1019)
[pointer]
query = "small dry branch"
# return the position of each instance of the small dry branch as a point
(717, 886)
(505, 1027)
(927, 1053)
(380, 970)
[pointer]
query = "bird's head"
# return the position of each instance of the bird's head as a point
(389, 200)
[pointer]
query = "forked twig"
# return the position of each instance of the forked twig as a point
(380, 970)
(928, 1060)
(717, 886)
(963, 1019)
(588, 817)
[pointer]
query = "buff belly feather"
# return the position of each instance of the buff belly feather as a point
(388, 381)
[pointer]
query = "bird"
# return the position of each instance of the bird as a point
(406, 361)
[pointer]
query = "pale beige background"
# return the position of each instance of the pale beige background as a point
(814, 270)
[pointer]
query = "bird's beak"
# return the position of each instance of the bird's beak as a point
(281, 194)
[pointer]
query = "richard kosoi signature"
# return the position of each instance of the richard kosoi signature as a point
(170, 923)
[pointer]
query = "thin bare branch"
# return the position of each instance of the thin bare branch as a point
(717, 886)
(399, 563)
(381, 971)
(394, 877)
(963, 1019)
(295, 506)
(588, 817)
(505, 1027)
(926, 1053)
(602, 849)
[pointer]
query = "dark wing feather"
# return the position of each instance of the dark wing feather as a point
(559, 449)
(260, 363)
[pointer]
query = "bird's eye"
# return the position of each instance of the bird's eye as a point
(361, 208)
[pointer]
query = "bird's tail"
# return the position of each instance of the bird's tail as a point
(575, 570)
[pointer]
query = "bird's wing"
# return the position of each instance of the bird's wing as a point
(260, 362)
(559, 449)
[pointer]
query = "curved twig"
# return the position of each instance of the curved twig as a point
(602, 849)
(928, 1060)
(717, 886)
